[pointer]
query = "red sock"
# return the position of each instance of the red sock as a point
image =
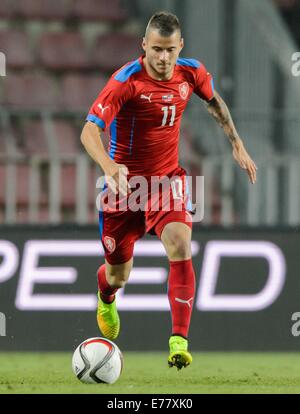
(181, 291)
(107, 293)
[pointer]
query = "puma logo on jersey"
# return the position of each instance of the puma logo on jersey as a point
(184, 301)
(147, 97)
(101, 107)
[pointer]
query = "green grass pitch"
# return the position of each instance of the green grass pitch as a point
(148, 373)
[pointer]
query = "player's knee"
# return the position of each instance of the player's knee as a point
(180, 250)
(177, 247)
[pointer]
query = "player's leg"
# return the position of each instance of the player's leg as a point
(118, 231)
(176, 238)
(172, 223)
(111, 277)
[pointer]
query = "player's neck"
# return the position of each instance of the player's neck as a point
(154, 75)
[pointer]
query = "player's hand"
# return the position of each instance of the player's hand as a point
(116, 178)
(245, 161)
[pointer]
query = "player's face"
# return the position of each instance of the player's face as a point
(162, 52)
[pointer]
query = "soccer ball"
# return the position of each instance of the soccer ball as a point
(97, 360)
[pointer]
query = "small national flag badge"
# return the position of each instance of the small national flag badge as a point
(167, 98)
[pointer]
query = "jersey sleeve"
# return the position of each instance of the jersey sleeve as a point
(204, 84)
(109, 102)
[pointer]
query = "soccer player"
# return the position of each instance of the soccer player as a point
(143, 103)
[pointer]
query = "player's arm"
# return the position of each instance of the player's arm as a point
(219, 110)
(115, 174)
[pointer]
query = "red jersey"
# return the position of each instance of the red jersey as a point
(144, 114)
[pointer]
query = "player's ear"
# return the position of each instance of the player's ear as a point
(181, 43)
(144, 44)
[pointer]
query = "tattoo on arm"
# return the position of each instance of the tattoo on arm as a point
(219, 110)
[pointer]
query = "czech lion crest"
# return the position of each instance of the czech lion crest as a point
(110, 243)
(184, 90)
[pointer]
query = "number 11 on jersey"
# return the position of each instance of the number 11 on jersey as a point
(165, 109)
